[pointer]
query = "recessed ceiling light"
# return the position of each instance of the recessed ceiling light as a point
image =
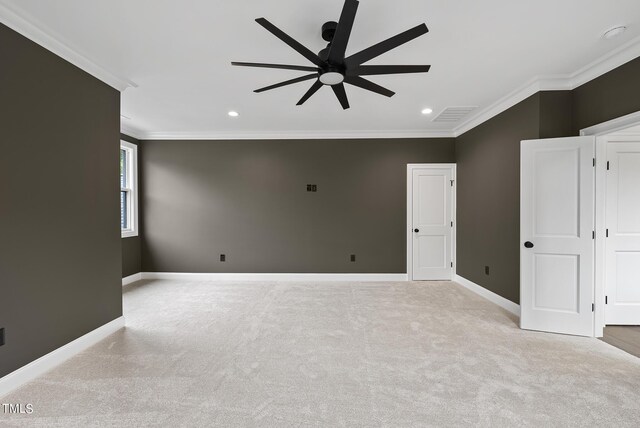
(427, 111)
(614, 32)
(234, 114)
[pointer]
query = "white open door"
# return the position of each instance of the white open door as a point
(556, 229)
(431, 222)
(622, 246)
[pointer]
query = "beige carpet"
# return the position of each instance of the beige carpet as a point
(330, 354)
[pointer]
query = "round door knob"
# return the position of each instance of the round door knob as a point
(528, 244)
(416, 230)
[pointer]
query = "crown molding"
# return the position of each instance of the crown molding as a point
(53, 42)
(302, 135)
(535, 85)
(561, 82)
(612, 60)
(131, 132)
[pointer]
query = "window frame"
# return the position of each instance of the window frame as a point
(132, 189)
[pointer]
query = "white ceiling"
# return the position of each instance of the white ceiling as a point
(178, 52)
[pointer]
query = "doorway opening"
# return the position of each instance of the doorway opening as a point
(580, 230)
(431, 222)
(617, 212)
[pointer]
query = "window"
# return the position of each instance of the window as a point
(128, 189)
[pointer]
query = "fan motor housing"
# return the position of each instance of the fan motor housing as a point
(329, 30)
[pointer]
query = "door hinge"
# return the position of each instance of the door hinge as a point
(451, 264)
(593, 235)
(608, 165)
(452, 183)
(606, 300)
(594, 162)
(607, 233)
(451, 224)
(593, 307)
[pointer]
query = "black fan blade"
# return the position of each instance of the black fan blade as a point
(343, 32)
(386, 46)
(280, 66)
(368, 85)
(370, 70)
(341, 94)
(290, 41)
(287, 82)
(317, 85)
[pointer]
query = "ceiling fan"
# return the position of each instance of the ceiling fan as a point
(332, 67)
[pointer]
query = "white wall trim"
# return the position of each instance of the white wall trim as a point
(53, 42)
(49, 361)
(409, 238)
(614, 125)
(560, 82)
(489, 295)
(132, 189)
(56, 44)
(358, 277)
(295, 135)
(131, 132)
(600, 266)
(131, 279)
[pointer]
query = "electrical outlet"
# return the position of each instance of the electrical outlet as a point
(312, 187)
(353, 257)
(486, 270)
(1, 336)
(223, 257)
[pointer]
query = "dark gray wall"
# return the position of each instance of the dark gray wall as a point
(488, 198)
(131, 255)
(59, 228)
(248, 200)
(611, 95)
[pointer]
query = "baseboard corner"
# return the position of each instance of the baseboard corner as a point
(514, 308)
(132, 278)
(34, 369)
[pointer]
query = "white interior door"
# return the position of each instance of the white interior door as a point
(556, 227)
(622, 247)
(432, 223)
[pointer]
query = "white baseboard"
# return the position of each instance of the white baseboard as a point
(359, 277)
(131, 279)
(47, 362)
(489, 295)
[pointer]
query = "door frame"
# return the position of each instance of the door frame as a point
(602, 133)
(410, 168)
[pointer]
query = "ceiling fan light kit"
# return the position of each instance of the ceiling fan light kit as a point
(331, 65)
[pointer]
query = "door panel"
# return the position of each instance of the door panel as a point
(555, 180)
(549, 270)
(432, 252)
(431, 223)
(432, 211)
(622, 248)
(557, 218)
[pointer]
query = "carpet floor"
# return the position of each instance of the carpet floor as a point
(205, 354)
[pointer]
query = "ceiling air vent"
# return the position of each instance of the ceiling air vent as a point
(453, 114)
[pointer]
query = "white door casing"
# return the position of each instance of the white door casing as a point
(622, 243)
(557, 218)
(431, 222)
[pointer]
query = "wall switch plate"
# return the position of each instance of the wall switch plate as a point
(312, 187)
(1, 336)
(353, 257)
(223, 257)
(486, 270)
